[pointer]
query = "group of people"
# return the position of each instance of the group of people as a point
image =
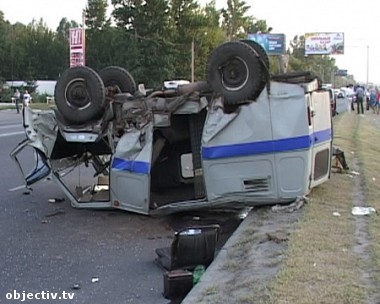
(372, 99)
(26, 98)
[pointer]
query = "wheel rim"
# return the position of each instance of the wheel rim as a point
(234, 74)
(77, 95)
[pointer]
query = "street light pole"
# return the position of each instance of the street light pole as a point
(367, 63)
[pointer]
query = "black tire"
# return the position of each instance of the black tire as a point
(260, 52)
(234, 70)
(80, 95)
(264, 60)
(117, 80)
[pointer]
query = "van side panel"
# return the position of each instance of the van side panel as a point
(263, 151)
(233, 150)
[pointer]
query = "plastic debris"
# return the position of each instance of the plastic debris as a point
(95, 280)
(363, 210)
(337, 214)
(75, 286)
(197, 273)
(354, 173)
(56, 200)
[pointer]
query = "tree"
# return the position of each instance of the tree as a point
(259, 26)
(63, 29)
(99, 34)
(95, 14)
(235, 20)
(5, 47)
(146, 26)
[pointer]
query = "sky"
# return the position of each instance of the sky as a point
(293, 17)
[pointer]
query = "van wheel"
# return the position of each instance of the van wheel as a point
(234, 70)
(80, 95)
(117, 80)
(264, 60)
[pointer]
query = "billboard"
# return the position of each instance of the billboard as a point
(341, 73)
(77, 47)
(324, 43)
(273, 44)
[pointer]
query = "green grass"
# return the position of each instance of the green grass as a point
(321, 265)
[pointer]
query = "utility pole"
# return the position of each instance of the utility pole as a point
(367, 64)
(192, 60)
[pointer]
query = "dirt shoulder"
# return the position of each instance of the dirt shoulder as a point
(320, 253)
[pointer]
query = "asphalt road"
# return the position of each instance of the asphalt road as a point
(100, 256)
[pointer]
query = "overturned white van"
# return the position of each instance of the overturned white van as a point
(193, 147)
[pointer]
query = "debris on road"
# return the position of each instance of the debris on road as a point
(55, 212)
(95, 280)
(76, 286)
(56, 200)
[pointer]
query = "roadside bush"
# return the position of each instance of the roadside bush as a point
(6, 95)
(39, 98)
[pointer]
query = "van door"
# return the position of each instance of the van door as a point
(321, 122)
(130, 171)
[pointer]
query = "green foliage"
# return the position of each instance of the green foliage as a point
(320, 65)
(5, 94)
(154, 40)
(235, 19)
(39, 98)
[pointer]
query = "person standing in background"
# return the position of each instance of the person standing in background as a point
(359, 99)
(26, 97)
(377, 105)
(17, 96)
(373, 99)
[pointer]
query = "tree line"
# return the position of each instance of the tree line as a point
(154, 40)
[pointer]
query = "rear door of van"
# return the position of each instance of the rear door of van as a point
(322, 136)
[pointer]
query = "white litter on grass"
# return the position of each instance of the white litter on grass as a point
(336, 213)
(374, 179)
(363, 210)
(354, 173)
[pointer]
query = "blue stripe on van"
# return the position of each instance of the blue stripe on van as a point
(322, 136)
(271, 146)
(131, 165)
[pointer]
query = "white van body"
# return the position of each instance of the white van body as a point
(268, 151)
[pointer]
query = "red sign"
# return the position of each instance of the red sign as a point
(77, 47)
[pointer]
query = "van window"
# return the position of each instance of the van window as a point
(321, 165)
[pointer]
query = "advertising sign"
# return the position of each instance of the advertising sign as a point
(341, 73)
(273, 44)
(324, 43)
(77, 47)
